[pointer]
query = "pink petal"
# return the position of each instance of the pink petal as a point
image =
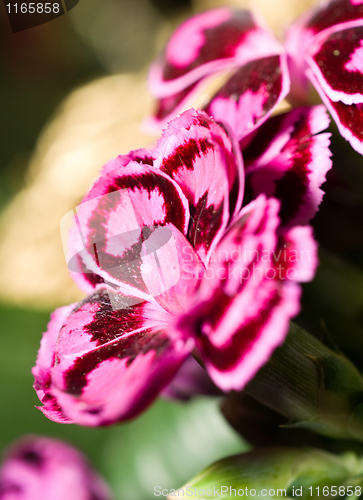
(198, 154)
(52, 410)
(169, 107)
(45, 361)
(329, 16)
(112, 358)
(349, 118)
(251, 94)
(296, 256)
(180, 270)
(143, 156)
(248, 295)
(38, 468)
(288, 159)
(336, 58)
(210, 41)
(254, 339)
(122, 210)
(85, 279)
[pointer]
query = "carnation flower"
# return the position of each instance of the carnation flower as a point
(215, 42)
(175, 263)
(323, 48)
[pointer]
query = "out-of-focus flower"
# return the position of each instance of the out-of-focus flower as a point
(172, 263)
(218, 41)
(39, 468)
(325, 48)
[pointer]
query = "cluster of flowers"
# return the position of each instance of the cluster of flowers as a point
(219, 179)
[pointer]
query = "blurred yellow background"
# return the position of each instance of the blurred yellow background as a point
(92, 124)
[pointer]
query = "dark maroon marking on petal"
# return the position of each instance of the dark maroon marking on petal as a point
(129, 273)
(261, 140)
(144, 160)
(282, 257)
(225, 358)
(220, 43)
(96, 254)
(130, 347)
(290, 190)
(261, 228)
(93, 279)
(205, 222)
(203, 122)
(240, 226)
(233, 194)
(334, 54)
(44, 382)
(231, 158)
(251, 75)
(174, 213)
(338, 11)
(184, 156)
(167, 105)
(79, 267)
(130, 261)
(351, 117)
(50, 403)
(249, 194)
(265, 72)
(220, 302)
(293, 186)
(109, 324)
(32, 458)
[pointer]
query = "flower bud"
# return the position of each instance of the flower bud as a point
(38, 468)
(313, 386)
(276, 472)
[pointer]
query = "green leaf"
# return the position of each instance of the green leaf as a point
(313, 386)
(275, 472)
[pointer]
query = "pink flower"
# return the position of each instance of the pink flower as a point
(324, 48)
(218, 41)
(38, 468)
(173, 263)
